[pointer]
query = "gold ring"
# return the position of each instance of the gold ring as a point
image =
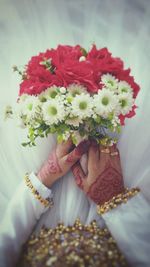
(106, 151)
(114, 153)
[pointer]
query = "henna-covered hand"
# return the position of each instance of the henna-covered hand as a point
(104, 179)
(60, 161)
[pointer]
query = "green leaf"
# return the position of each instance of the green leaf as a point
(33, 144)
(25, 144)
(69, 99)
(52, 129)
(110, 117)
(118, 129)
(74, 140)
(84, 52)
(59, 138)
(98, 119)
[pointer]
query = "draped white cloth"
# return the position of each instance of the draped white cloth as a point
(27, 27)
(128, 223)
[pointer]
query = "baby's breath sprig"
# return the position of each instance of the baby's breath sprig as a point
(21, 73)
(48, 65)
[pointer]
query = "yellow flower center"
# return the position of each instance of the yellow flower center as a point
(52, 110)
(83, 105)
(105, 101)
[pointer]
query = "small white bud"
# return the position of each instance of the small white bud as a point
(62, 90)
(82, 58)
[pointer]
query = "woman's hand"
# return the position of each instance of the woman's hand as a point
(104, 179)
(60, 161)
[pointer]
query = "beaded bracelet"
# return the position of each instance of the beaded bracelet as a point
(47, 202)
(117, 200)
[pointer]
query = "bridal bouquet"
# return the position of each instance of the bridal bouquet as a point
(74, 93)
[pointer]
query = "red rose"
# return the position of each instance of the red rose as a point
(79, 73)
(33, 64)
(58, 56)
(67, 69)
(32, 88)
(41, 74)
(66, 53)
(99, 54)
(102, 62)
(37, 72)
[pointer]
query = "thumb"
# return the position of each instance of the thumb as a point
(77, 153)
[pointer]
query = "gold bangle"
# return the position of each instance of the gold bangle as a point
(47, 202)
(117, 200)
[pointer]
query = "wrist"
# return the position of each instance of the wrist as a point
(117, 200)
(38, 189)
(46, 180)
(104, 194)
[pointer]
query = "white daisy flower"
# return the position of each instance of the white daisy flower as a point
(82, 106)
(42, 97)
(76, 89)
(51, 92)
(124, 87)
(27, 111)
(75, 121)
(23, 97)
(53, 111)
(30, 107)
(109, 81)
(126, 102)
(105, 102)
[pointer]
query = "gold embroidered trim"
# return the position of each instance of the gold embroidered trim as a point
(67, 246)
(47, 202)
(117, 200)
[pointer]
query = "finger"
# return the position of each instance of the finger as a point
(93, 156)
(104, 153)
(63, 148)
(77, 153)
(114, 152)
(115, 158)
(84, 163)
(78, 174)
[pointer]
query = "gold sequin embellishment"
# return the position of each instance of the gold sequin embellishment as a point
(73, 246)
(117, 200)
(47, 202)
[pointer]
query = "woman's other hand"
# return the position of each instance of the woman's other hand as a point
(104, 179)
(60, 161)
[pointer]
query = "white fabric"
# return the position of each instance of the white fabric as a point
(21, 216)
(27, 27)
(129, 224)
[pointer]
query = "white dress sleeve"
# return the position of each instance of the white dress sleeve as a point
(22, 214)
(130, 226)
